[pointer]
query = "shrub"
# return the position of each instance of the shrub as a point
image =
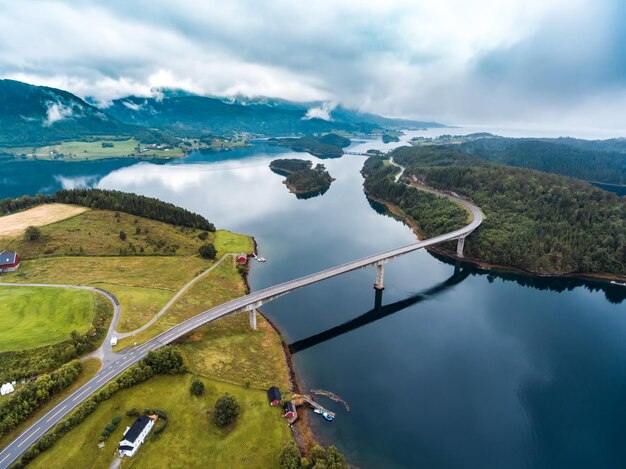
(122, 235)
(32, 233)
(289, 457)
(204, 235)
(132, 412)
(226, 410)
(197, 387)
(207, 251)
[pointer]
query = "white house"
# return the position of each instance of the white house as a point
(135, 435)
(6, 388)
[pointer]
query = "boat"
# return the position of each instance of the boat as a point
(327, 416)
(317, 411)
(261, 259)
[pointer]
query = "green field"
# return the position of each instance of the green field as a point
(190, 440)
(76, 150)
(33, 317)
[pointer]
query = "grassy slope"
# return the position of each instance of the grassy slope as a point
(33, 317)
(189, 441)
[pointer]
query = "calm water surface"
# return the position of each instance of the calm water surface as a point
(451, 368)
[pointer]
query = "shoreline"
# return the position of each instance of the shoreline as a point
(484, 265)
(301, 431)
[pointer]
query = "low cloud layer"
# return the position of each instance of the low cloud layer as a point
(486, 61)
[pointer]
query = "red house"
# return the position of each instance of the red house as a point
(290, 412)
(9, 261)
(242, 259)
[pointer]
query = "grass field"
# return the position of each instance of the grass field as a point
(33, 317)
(15, 224)
(190, 439)
(76, 150)
(221, 285)
(90, 368)
(97, 233)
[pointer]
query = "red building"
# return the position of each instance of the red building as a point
(242, 259)
(273, 396)
(9, 261)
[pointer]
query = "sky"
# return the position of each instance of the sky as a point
(559, 63)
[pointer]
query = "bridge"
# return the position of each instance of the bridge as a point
(247, 303)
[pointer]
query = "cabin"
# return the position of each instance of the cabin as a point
(273, 396)
(9, 261)
(135, 435)
(242, 259)
(290, 411)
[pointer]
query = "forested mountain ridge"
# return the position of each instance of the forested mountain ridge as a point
(539, 222)
(35, 115)
(590, 160)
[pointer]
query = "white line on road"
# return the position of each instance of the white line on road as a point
(28, 437)
(56, 413)
(84, 391)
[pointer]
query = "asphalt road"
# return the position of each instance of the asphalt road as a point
(110, 370)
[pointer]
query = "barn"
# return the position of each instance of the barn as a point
(9, 261)
(273, 396)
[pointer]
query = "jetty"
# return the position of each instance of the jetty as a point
(317, 406)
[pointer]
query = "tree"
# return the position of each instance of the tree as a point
(207, 251)
(320, 458)
(32, 233)
(289, 457)
(203, 235)
(226, 410)
(197, 387)
(122, 235)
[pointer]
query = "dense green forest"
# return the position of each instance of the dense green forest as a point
(583, 163)
(434, 215)
(534, 221)
(326, 146)
(134, 204)
(302, 179)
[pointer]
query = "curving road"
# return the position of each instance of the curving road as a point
(252, 301)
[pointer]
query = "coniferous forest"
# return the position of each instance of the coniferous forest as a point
(534, 221)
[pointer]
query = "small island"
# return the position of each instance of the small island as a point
(389, 137)
(301, 178)
(325, 146)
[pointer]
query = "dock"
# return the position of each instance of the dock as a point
(315, 405)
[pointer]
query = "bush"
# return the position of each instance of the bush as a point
(226, 410)
(289, 457)
(122, 236)
(132, 412)
(197, 387)
(207, 251)
(32, 233)
(204, 235)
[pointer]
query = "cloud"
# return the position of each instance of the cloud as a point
(320, 112)
(452, 60)
(57, 112)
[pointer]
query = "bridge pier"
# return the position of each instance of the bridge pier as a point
(379, 284)
(252, 315)
(460, 243)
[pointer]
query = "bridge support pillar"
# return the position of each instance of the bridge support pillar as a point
(460, 243)
(252, 314)
(380, 275)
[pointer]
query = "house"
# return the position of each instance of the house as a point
(6, 388)
(290, 412)
(9, 261)
(273, 396)
(135, 435)
(242, 259)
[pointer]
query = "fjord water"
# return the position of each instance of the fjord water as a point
(452, 367)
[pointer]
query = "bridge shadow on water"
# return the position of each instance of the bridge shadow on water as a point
(614, 293)
(379, 311)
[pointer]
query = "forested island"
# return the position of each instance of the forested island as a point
(301, 178)
(326, 146)
(538, 222)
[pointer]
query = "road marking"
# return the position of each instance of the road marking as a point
(28, 437)
(2, 460)
(86, 390)
(56, 413)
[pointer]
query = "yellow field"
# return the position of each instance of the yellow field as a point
(16, 223)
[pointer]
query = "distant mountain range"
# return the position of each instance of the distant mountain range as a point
(38, 115)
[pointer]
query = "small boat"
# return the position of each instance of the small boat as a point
(317, 411)
(327, 416)
(261, 259)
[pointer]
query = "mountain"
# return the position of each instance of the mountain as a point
(38, 115)
(184, 114)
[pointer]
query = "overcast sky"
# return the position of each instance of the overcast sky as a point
(549, 62)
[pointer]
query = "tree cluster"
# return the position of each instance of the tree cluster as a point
(318, 458)
(226, 410)
(535, 221)
(32, 395)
